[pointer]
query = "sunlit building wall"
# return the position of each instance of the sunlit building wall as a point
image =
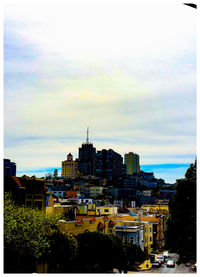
(132, 163)
(69, 167)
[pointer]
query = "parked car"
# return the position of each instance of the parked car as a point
(161, 259)
(156, 263)
(170, 263)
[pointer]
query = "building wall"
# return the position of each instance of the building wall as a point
(108, 164)
(158, 229)
(83, 209)
(105, 210)
(132, 163)
(146, 239)
(95, 191)
(130, 233)
(57, 210)
(155, 207)
(71, 193)
(9, 168)
(147, 228)
(87, 162)
(69, 169)
(148, 236)
(87, 224)
(27, 191)
(91, 209)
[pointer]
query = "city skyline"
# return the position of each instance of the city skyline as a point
(124, 70)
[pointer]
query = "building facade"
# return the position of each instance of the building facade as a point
(130, 233)
(69, 167)
(86, 165)
(108, 165)
(132, 163)
(30, 192)
(9, 168)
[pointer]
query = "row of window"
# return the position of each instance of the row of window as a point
(101, 210)
(69, 169)
(149, 229)
(35, 196)
(131, 239)
(36, 204)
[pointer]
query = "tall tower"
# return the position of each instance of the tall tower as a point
(87, 157)
(87, 139)
(132, 163)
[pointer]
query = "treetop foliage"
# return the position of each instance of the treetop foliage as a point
(180, 234)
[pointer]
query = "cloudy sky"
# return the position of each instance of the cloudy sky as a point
(128, 71)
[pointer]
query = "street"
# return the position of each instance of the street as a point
(164, 269)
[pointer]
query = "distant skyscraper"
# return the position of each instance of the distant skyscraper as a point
(69, 167)
(108, 165)
(55, 173)
(9, 168)
(87, 156)
(132, 163)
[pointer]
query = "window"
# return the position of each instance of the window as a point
(150, 229)
(150, 238)
(106, 210)
(38, 204)
(131, 240)
(145, 240)
(145, 229)
(125, 239)
(28, 204)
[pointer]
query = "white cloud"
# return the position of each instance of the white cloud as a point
(126, 71)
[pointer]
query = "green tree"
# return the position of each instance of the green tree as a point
(180, 234)
(27, 228)
(30, 235)
(101, 253)
(93, 248)
(63, 250)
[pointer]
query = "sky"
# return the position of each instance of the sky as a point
(126, 69)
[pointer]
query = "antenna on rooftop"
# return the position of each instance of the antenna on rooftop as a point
(87, 140)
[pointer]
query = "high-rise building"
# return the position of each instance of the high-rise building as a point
(9, 168)
(69, 167)
(55, 174)
(108, 165)
(132, 163)
(87, 157)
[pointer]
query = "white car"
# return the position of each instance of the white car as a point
(170, 263)
(166, 254)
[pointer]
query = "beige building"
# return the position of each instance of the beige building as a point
(69, 167)
(132, 162)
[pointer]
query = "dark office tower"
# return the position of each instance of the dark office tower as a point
(109, 165)
(87, 156)
(55, 174)
(9, 168)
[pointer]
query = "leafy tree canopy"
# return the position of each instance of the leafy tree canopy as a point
(180, 234)
(27, 229)
(100, 253)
